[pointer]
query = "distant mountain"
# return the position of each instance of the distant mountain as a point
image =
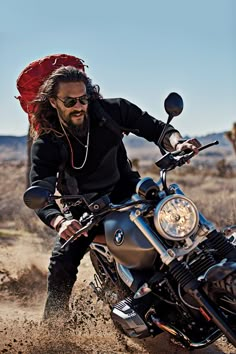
(223, 141)
(138, 148)
(10, 140)
(13, 148)
(134, 141)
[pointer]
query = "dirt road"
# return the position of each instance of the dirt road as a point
(23, 269)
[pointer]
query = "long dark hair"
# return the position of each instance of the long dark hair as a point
(44, 119)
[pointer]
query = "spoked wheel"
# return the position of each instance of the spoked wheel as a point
(110, 288)
(98, 266)
(227, 304)
(223, 293)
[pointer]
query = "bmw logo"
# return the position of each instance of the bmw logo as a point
(119, 237)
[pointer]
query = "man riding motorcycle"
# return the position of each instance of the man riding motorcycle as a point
(78, 149)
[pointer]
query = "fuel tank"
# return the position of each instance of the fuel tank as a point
(126, 242)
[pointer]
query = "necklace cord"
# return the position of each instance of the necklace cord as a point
(71, 149)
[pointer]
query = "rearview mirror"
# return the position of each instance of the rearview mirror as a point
(36, 197)
(173, 104)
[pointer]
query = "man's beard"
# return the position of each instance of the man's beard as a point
(81, 130)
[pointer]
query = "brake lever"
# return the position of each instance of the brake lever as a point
(188, 153)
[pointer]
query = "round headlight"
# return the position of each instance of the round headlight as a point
(176, 217)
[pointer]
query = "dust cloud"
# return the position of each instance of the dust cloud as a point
(23, 274)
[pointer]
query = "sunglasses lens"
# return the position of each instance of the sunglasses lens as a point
(83, 100)
(70, 102)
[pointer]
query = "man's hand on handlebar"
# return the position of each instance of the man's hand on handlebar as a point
(190, 144)
(67, 228)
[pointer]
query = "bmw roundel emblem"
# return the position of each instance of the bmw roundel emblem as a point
(119, 237)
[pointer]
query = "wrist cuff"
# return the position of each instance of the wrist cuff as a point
(57, 227)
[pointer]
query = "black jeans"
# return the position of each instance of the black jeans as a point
(64, 262)
(63, 268)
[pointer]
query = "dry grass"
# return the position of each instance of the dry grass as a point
(214, 196)
(23, 263)
(13, 212)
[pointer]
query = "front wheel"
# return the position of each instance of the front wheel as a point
(111, 288)
(223, 293)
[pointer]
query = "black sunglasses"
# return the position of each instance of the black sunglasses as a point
(71, 101)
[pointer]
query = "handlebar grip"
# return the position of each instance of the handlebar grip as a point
(181, 152)
(216, 142)
(80, 231)
(187, 151)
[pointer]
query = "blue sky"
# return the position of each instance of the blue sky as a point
(139, 50)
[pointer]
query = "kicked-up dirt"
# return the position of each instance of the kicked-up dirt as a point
(23, 272)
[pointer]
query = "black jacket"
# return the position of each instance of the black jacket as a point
(106, 169)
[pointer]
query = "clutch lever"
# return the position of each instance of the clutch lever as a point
(87, 227)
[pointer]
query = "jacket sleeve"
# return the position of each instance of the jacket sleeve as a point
(45, 162)
(148, 127)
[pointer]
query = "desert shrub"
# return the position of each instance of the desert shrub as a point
(12, 208)
(224, 169)
(27, 220)
(214, 196)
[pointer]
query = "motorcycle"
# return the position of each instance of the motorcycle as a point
(163, 266)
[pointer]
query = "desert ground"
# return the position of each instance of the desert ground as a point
(24, 255)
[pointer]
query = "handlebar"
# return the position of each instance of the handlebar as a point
(171, 160)
(96, 218)
(37, 197)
